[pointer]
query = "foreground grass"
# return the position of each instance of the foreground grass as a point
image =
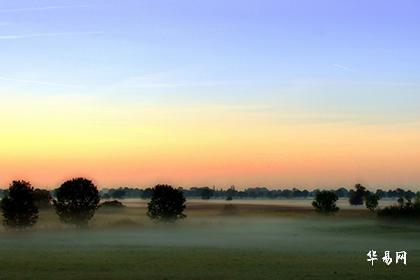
(183, 263)
(211, 245)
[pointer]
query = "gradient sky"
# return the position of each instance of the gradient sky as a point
(297, 93)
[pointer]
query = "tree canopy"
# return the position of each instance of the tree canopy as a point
(356, 197)
(77, 201)
(166, 204)
(325, 202)
(19, 209)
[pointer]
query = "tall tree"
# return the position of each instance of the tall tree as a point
(371, 201)
(357, 196)
(19, 209)
(166, 204)
(77, 201)
(325, 202)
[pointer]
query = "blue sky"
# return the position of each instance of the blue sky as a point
(219, 43)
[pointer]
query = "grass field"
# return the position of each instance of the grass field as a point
(245, 240)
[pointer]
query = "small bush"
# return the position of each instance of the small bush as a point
(112, 204)
(402, 210)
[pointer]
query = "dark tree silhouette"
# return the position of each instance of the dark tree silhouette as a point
(325, 202)
(77, 201)
(206, 193)
(42, 198)
(118, 193)
(166, 204)
(356, 197)
(371, 201)
(404, 209)
(19, 209)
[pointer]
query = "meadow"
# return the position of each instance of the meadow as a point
(218, 239)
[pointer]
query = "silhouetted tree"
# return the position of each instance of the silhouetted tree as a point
(206, 193)
(146, 193)
(231, 192)
(19, 209)
(325, 202)
(166, 204)
(42, 198)
(380, 193)
(404, 209)
(356, 197)
(342, 192)
(371, 201)
(105, 196)
(118, 193)
(77, 201)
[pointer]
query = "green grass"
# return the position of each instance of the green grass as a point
(124, 244)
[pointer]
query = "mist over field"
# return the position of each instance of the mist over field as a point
(239, 240)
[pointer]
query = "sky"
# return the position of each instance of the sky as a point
(248, 93)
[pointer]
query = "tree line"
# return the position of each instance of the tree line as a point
(248, 193)
(408, 203)
(76, 201)
(232, 192)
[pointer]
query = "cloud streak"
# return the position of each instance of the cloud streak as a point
(35, 82)
(35, 35)
(45, 8)
(341, 67)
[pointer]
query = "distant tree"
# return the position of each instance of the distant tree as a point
(357, 196)
(232, 192)
(287, 193)
(229, 198)
(325, 202)
(118, 193)
(77, 201)
(206, 193)
(305, 193)
(371, 201)
(342, 192)
(19, 209)
(166, 204)
(147, 193)
(105, 196)
(42, 198)
(380, 193)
